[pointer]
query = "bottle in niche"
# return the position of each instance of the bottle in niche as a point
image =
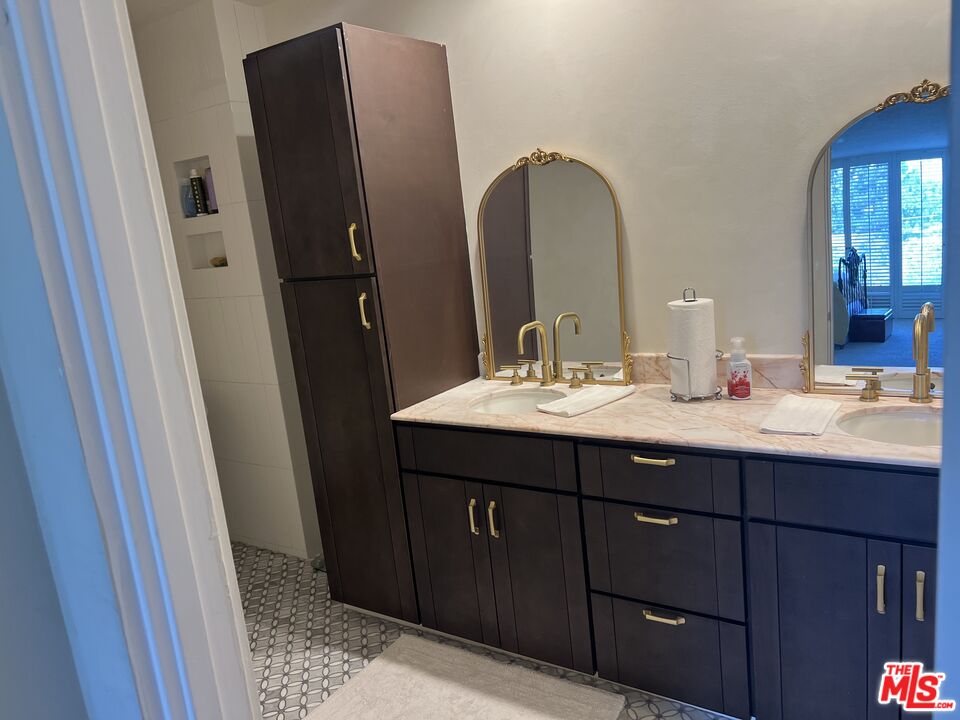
(198, 192)
(739, 372)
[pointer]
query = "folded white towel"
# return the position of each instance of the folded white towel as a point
(587, 399)
(800, 416)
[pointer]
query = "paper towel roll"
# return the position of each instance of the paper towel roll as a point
(693, 336)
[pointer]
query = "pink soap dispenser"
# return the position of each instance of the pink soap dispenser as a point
(739, 371)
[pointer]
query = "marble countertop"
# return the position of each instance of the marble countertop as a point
(648, 416)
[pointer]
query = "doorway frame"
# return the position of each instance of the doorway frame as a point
(70, 86)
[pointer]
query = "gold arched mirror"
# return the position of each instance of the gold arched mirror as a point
(550, 251)
(878, 243)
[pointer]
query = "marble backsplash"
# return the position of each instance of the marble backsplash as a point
(769, 371)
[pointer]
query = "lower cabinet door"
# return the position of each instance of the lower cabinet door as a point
(448, 537)
(686, 657)
(344, 400)
(823, 631)
(919, 612)
(537, 559)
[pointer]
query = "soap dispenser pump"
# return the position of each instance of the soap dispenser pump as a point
(739, 372)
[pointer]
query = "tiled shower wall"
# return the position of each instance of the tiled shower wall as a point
(190, 65)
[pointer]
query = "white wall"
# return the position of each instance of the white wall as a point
(190, 64)
(706, 116)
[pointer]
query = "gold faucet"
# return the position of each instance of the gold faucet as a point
(544, 353)
(557, 362)
(923, 324)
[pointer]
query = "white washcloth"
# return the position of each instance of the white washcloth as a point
(800, 416)
(587, 399)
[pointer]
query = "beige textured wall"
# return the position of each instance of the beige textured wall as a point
(707, 118)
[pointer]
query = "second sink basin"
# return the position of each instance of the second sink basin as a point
(510, 402)
(901, 426)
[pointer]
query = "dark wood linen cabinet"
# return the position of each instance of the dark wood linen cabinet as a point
(357, 149)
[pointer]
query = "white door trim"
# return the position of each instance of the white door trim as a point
(71, 88)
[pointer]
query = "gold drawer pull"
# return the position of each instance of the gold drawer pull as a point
(494, 533)
(640, 517)
(921, 579)
(362, 301)
(881, 594)
(351, 232)
(653, 461)
(473, 521)
(649, 615)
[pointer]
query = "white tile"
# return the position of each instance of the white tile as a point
(279, 339)
(280, 447)
(247, 149)
(198, 316)
(261, 504)
(241, 276)
(263, 246)
(260, 329)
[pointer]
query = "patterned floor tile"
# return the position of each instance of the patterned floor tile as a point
(305, 645)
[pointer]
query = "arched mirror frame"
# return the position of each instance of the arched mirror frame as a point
(540, 158)
(924, 93)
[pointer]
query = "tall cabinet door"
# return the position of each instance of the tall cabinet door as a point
(299, 99)
(448, 537)
(331, 325)
(823, 633)
(539, 578)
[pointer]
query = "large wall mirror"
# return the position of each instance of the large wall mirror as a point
(878, 219)
(550, 250)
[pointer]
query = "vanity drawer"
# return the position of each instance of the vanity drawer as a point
(671, 558)
(498, 457)
(688, 482)
(900, 505)
(693, 659)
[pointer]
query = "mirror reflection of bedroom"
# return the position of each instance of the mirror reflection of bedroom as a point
(887, 219)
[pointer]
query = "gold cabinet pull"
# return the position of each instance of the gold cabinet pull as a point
(351, 233)
(494, 533)
(652, 461)
(362, 301)
(653, 617)
(471, 506)
(881, 593)
(921, 579)
(640, 517)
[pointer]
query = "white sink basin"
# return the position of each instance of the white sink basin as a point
(900, 426)
(511, 402)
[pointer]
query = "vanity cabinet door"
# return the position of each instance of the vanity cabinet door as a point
(919, 611)
(448, 537)
(823, 633)
(538, 574)
(825, 616)
(345, 407)
(305, 140)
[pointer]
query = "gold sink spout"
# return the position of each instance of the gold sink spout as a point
(544, 354)
(923, 324)
(557, 361)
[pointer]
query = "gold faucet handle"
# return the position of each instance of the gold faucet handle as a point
(531, 373)
(869, 370)
(575, 381)
(871, 386)
(515, 380)
(589, 365)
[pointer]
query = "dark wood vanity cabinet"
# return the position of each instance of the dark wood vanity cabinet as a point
(839, 584)
(355, 137)
(497, 563)
(754, 587)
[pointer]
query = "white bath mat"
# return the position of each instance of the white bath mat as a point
(417, 679)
